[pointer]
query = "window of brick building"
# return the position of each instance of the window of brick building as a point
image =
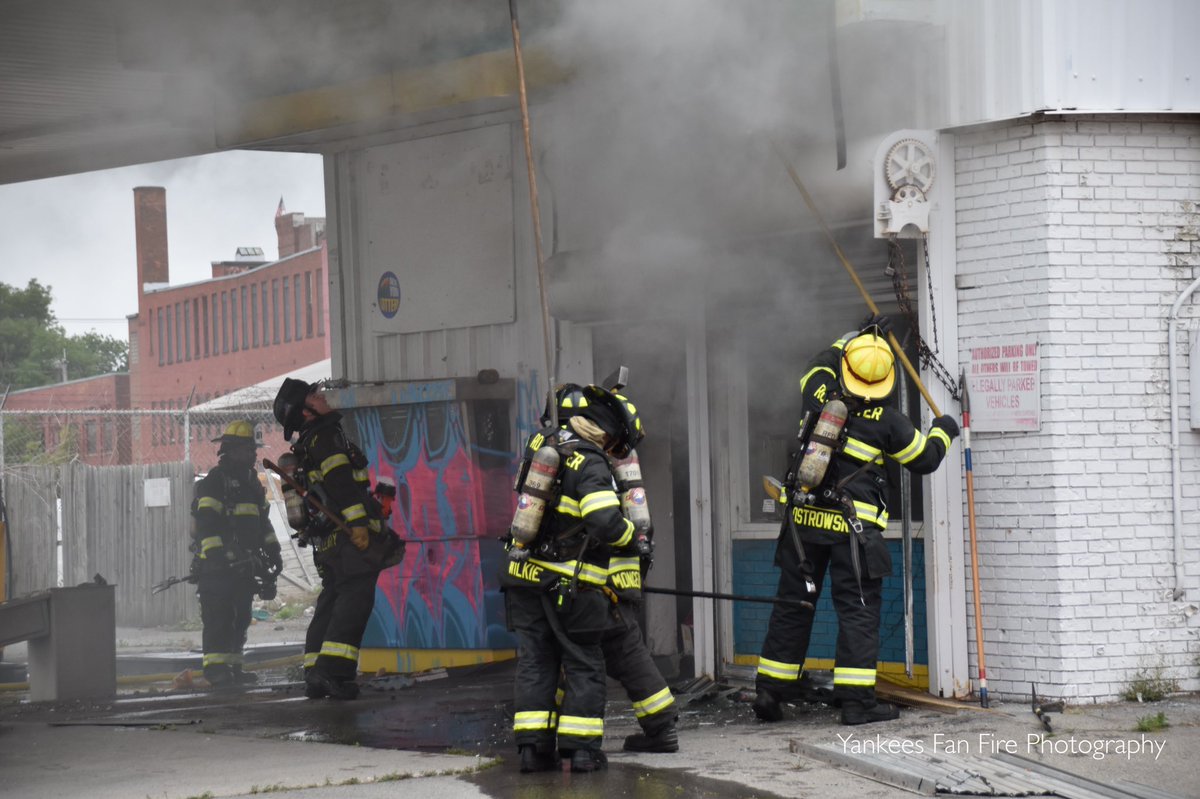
(308, 305)
(170, 338)
(275, 311)
(187, 331)
(245, 321)
(233, 319)
(224, 322)
(178, 334)
(204, 315)
(253, 315)
(320, 305)
(196, 328)
(216, 327)
(287, 317)
(161, 354)
(297, 306)
(266, 314)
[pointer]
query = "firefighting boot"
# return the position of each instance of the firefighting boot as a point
(856, 712)
(243, 677)
(588, 760)
(665, 740)
(766, 706)
(219, 675)
(318, 684)
(534, 760)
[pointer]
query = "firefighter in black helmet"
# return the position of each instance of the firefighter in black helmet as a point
(236, 553)
(859, 369)
(627, 659)
(335, 470)
(555, 599)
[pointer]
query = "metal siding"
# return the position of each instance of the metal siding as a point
(1007, 59)
(459, 351)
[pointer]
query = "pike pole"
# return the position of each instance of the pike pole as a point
(812, 206)
(536, 214)
(966, 433)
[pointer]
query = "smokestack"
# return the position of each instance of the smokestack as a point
(150, 225)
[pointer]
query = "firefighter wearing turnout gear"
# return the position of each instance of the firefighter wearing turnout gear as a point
(554, 596)
(236, 553)
(840, 527)
(348, 560)
(627, 659)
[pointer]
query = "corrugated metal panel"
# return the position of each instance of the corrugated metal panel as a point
(1007, 58)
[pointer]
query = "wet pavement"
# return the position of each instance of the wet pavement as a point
(447, 734)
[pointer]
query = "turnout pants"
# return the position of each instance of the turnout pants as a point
(338, 623)
(549, 639)
(628, 661)
(781, 663)
(225, 599)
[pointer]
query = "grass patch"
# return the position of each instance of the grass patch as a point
(1149, 685)
(1152, 723)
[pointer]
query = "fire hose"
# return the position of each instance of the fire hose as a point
(732, 597)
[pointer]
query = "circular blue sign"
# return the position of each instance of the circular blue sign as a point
(388, 294)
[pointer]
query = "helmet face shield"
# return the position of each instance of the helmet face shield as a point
(868, 367)
(289, 405)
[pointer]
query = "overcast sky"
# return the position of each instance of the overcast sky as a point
(76, 233)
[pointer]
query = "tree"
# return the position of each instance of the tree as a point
(32, 342)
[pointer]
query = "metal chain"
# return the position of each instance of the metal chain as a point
(897, 270)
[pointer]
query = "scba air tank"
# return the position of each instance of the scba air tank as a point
(531, 502)
(628, 472)
(822, 444)
(297, 514)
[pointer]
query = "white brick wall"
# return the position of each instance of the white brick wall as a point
(1080, 232)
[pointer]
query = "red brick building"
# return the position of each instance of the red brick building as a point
(253, 320)
(98, 439)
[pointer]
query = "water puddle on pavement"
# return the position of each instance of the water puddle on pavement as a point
(618, 780)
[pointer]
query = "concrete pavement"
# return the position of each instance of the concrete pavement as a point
(448, 735)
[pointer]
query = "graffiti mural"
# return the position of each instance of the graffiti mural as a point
(453, 502)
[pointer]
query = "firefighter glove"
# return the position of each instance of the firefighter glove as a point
(360, 536)
(948, 424)
(274, 560)
(268, 590)
(879, 321)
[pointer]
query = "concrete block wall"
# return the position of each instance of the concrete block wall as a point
(1081, 232)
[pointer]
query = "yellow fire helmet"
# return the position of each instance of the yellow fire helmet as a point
(239, 432)
(868, 367)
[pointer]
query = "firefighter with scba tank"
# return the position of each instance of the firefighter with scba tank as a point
(236, 553)
(349, 549)
(835, 520)
(567, 524)
(627, 659)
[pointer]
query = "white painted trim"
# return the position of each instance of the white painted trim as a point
(700, 478)
(945, 570)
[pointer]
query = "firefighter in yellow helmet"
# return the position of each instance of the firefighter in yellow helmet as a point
(554, 595)
(236, 553)
(840, 529)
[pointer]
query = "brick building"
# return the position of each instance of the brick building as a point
(96, 439)
(253, 321)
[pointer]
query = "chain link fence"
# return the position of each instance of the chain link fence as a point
(127, 437)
